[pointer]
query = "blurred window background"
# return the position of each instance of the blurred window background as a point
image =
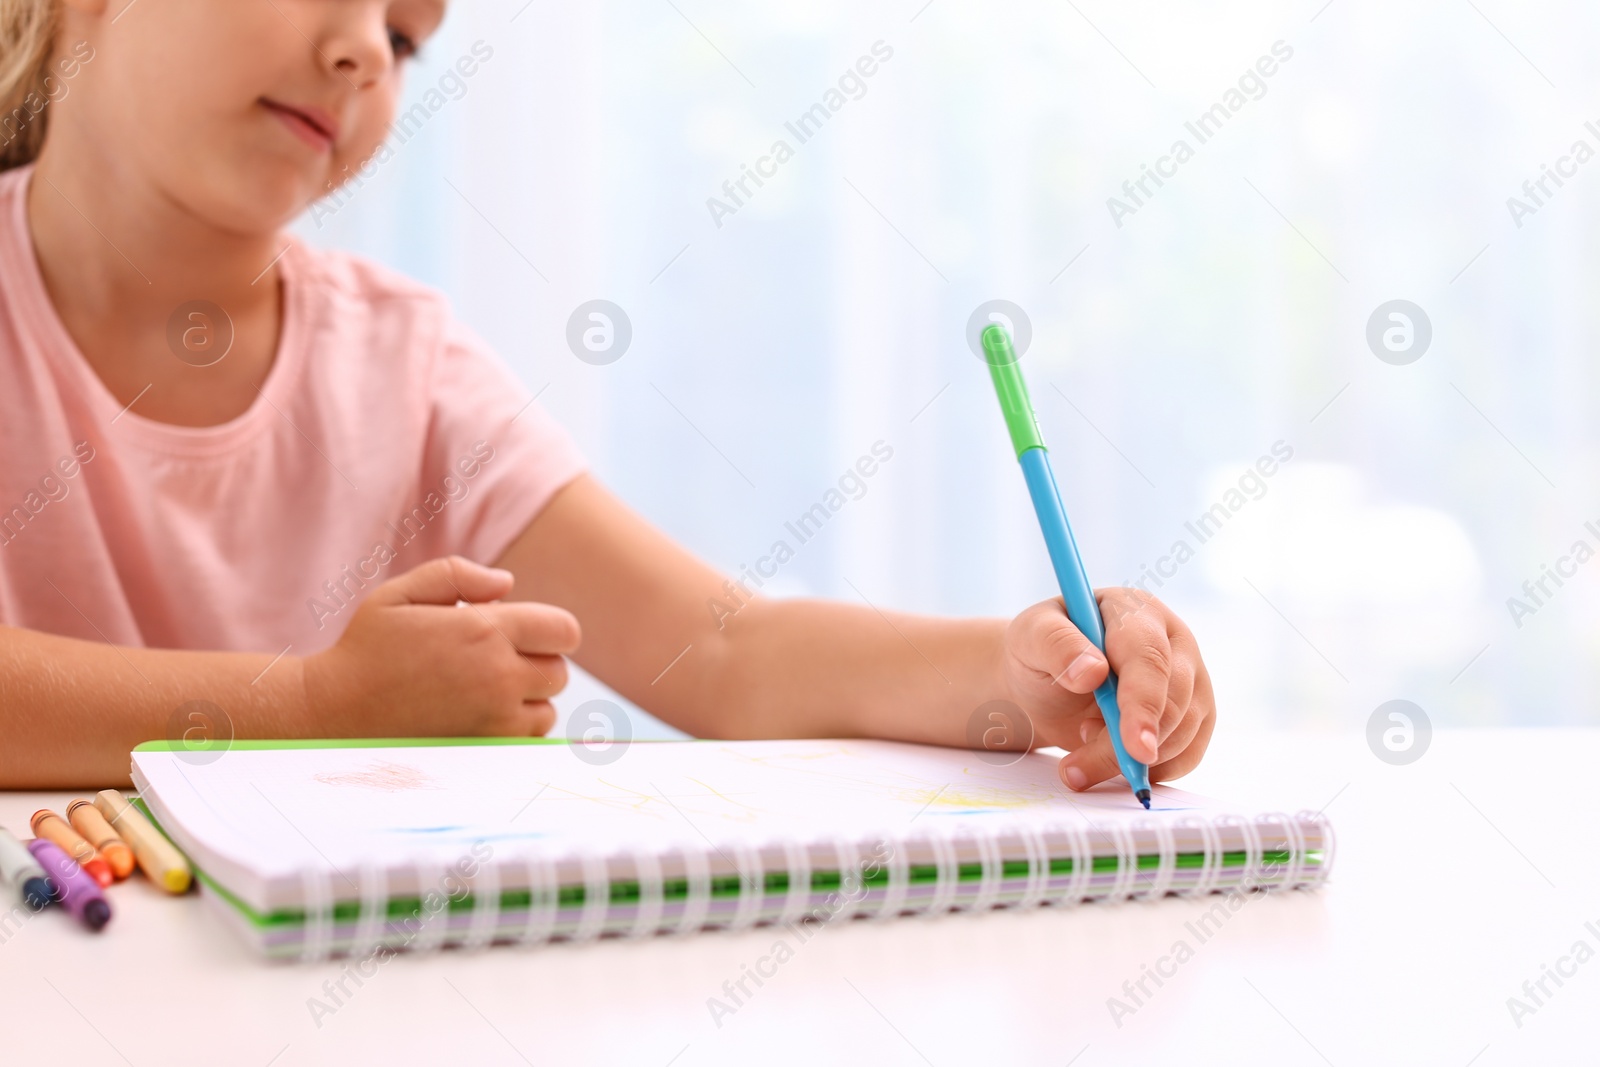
(1340, 502)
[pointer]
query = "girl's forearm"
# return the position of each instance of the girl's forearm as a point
(817, 668)
(71, 710)
(715, 659)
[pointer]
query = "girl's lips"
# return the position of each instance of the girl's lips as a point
(312, 125)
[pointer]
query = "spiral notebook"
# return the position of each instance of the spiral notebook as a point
(318, 848)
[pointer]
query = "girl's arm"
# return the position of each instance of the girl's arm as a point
(676, 638)
(71, 710)
(436, 653)
(410, 664)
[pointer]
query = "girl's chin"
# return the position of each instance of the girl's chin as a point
(262, 198)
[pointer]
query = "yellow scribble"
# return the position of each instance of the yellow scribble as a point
(749, 813)
(973, 796)
(783, 759)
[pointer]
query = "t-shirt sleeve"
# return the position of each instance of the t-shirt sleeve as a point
(493, 457)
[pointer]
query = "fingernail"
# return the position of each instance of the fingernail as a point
(1086, 662)
(1149, 739)
(1076, 778)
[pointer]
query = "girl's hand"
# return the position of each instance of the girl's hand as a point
(414, 664)
(1163, 688)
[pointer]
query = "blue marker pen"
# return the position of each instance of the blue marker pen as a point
(1075, 590)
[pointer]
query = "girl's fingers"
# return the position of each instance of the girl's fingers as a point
(534, 629)
(543, 677)
(1180, 683)
(1186, 761)
(1096, 761)
(1178, 752)
(444, 581)
(1203, 716)
(539, 717)
(1090, 765)
(1044, 640)
(1140, 651)
(1182, 735)
(1163, 691)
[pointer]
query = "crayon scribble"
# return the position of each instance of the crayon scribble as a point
(383, 776)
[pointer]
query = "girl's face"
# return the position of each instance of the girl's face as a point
(240, 112)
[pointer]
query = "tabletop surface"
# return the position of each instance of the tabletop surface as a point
(1459, 878)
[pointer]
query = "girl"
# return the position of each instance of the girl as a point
(239, 470)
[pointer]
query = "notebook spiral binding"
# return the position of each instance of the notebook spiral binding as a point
(876, 877)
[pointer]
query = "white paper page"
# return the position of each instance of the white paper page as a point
(278, 811)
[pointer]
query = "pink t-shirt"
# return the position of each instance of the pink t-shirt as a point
(386, 434)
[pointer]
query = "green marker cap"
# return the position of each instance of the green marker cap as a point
(1013, 391)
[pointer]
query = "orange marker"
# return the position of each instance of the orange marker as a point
(53, 828)
(87, 820)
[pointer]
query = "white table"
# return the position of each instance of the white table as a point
(1457, 877)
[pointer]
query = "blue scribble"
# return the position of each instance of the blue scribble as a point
(466, 833)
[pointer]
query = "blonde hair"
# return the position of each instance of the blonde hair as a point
(27, 32)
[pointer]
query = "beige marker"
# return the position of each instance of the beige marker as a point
(161, 862)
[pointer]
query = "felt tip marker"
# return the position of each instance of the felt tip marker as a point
(87, 820)
(161, 862)
(80, 895)
(19, 868)
(1076, 593)
(52, 827)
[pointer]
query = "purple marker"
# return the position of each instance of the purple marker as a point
(79, 893)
